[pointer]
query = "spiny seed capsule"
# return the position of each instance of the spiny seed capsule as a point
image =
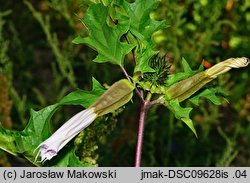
(161, 66)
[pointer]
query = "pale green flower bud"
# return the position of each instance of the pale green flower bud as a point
(187, 87)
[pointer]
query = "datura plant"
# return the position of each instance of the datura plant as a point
(117, 28)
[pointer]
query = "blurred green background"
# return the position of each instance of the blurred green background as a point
(39, 65)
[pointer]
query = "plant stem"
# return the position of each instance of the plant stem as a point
(146, 104)
(140, 94)
(126, 74)
(143, 112)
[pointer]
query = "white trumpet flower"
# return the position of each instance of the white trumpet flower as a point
(116, 96)
(50, 147)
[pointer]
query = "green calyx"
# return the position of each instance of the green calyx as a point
(120, 93)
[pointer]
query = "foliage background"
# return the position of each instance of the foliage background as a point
(39, 65)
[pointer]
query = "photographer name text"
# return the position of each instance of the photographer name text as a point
(80, 174)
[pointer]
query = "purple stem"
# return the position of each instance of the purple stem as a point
(143, 112)
(140, 94)
(144, 108)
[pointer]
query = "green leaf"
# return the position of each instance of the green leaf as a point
(38, 129)
(173, 78)
(106, 2)
(78, 97)
(7, 141)
(105, 39)
(39, 120)
(25, 142)
(67, 157)
(182, 114)
(186, 67)
(142, 28)
(142, 61)
(207, 93)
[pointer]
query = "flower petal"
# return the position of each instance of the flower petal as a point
(50, 147)
(226, 65)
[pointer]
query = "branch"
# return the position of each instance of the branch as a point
(157, 101)
(139, 93)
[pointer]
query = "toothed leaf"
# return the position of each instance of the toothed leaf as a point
(104, 38)
(182, 114)
(207, 93)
